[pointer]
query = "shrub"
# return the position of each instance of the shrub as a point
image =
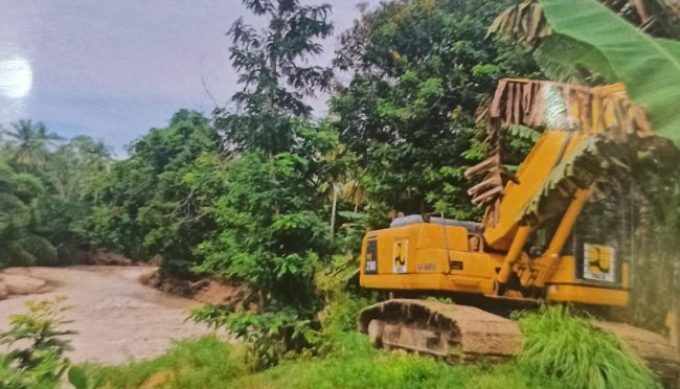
(38, 361)
(343, 300)
(570, 350)
(270, 336)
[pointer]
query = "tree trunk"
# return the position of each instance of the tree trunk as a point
(334, 209)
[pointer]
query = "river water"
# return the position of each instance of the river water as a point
(116, 318)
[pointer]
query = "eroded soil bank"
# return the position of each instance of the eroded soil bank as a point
(116, 317)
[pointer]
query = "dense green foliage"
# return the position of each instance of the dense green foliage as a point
(46, 189)
(153, 203)
(273, 220)
(17, 191)
(419, 71)
(273, 237)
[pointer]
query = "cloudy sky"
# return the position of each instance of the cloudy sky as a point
(113, 69)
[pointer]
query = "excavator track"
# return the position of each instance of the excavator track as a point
(455, 333)
(659, 354)
(464, 334)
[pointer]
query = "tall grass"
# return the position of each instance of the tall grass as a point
(572, 351)
(353, 363)
(358, 365)
(201, 363)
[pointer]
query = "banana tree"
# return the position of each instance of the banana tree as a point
(584, 41)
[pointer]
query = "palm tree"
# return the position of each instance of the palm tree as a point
(31, 141)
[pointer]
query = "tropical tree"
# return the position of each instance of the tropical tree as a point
(70, 175)
(584, 41)
(273, 73)
(46, 184)
(18, 244)
(31, 142)
(150, 205)
(419, 70)
(73, 166)
(272, 219)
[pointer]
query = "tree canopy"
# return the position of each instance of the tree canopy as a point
(272, 66)
(419, 70)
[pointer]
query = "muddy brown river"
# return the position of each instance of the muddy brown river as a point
(117, 319)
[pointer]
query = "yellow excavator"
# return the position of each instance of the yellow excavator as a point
(525, 250)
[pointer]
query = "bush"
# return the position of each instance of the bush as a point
(38, 361)
(572, 351)
(343, 300)
(270, 336)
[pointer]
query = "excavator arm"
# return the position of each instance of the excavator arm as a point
(555, 179)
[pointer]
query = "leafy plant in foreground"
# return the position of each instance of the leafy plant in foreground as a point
(38, 359)
(270, 336)
(571, 350)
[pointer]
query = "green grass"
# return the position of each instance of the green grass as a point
(355, 364)
(560, 351)
(560, 345)
(202, 363)
(210, 363)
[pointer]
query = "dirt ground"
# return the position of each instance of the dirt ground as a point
(116, 318)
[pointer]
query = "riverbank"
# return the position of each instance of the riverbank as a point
(116, 318)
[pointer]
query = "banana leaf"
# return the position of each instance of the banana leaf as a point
(583, 65)
(648, 66)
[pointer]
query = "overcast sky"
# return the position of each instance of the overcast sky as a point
(114, 69)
